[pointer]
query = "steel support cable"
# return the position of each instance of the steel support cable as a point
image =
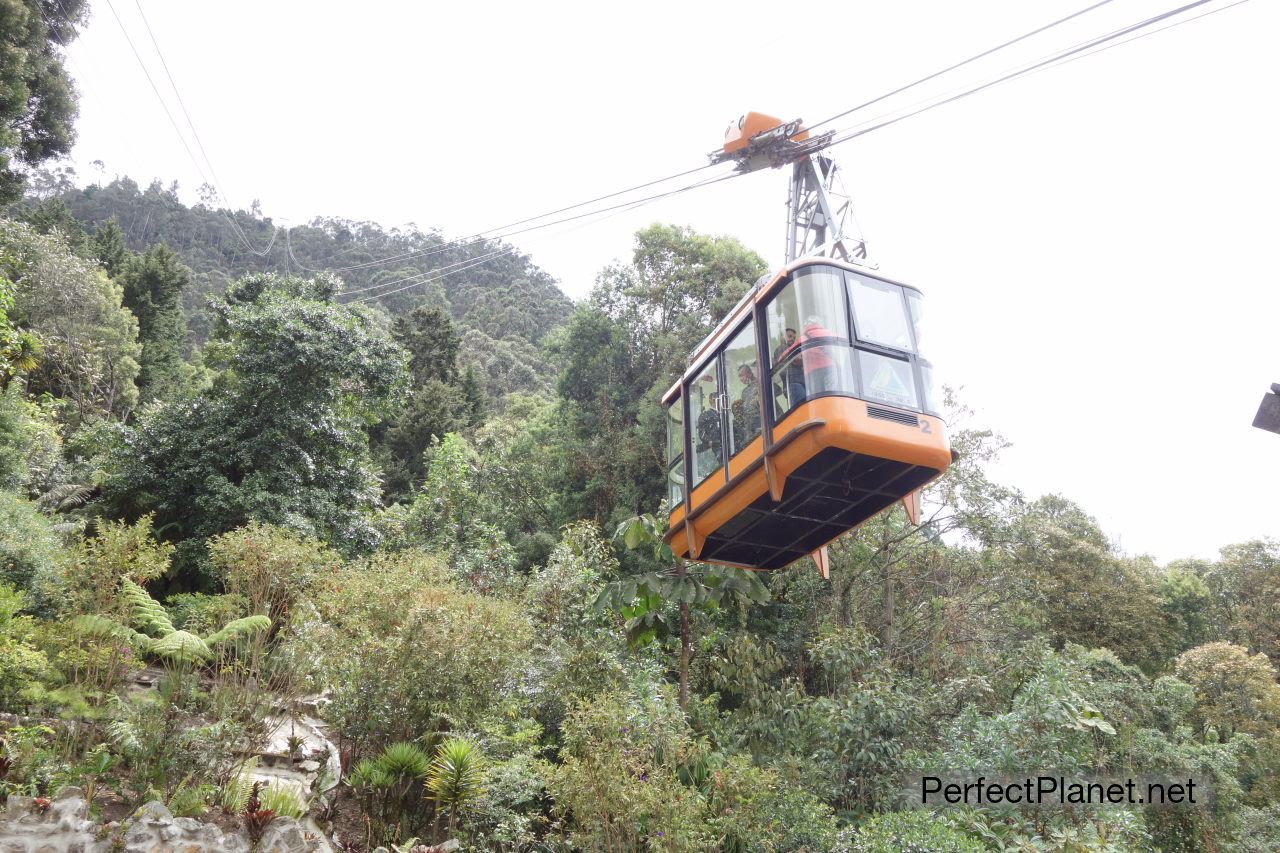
(961, 64)
(1056, 58)
(489, 231)
(1140, 36)
(616, 207)
(217, 183)
(172, 121)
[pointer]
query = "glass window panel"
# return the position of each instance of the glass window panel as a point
(675, 486)
(744, 389)
(704, 418)
(887, 380)
(879, 315)
(916, 306)
(675, 430)
(810, 307)
(930, 402)
(818, 368)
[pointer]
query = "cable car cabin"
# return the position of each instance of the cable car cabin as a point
(806, 412)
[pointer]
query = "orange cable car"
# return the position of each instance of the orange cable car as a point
(807, 411)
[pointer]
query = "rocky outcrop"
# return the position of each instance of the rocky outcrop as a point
(62, 826)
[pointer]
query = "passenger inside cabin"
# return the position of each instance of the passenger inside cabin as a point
(792, 377)
(708, 447)
(746, 409)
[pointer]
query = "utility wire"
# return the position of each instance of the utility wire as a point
(1057, 58)
(1142, 35)
(968, 61)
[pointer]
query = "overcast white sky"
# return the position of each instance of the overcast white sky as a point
(1095, 241)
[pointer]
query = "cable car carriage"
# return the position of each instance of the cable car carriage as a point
(807, 411)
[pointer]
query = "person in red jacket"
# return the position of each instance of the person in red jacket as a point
(816, 362)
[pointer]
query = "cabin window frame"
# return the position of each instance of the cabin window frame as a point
(683, 455)
(850, 387)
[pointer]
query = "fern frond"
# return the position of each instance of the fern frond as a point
(148, 615)
(238, 629)
(181, 647)
(101, 628)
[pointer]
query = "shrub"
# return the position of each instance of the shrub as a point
(1234, 691)
(116, 550)
(21, 664)
(270, 567)
(906, 832)
(30, 557)
(402, 650)
(619, 784)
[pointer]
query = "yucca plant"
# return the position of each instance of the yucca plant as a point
(456, 776)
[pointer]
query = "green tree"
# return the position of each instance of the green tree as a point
(89, 357)
(1235, 691)
(153, 283)
(37, 100)
(1086, 593)
(437, 403)
(621, 349)
(1246, 579)
(278, 437)
(108, 246)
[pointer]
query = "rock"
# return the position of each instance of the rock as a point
(154, 811)
(309, 766)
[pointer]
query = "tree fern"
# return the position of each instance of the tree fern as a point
(101, 628)
(238, 629)
(181, 647)
(147, 613)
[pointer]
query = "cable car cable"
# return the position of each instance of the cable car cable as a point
(479, 234)
(181, 137)
(1038, 65)
(626, 204)
(950, 68)
(195, 134)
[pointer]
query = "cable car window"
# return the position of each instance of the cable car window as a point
(928, 402)
(879, 314)
(810, 306)
(808, 338)
(811, 372)
(704, 419)
(744, 389)
(887, 380)
(675, 452)
(916, 306)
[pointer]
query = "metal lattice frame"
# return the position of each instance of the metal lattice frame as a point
(818, 211)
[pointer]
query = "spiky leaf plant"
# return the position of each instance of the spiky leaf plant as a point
(405, 760)
(456, 776)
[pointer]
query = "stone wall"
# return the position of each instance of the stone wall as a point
(63, 827)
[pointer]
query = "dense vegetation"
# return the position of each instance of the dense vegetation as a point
(436, 512)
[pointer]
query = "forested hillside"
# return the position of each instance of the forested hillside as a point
(504, 305)
(395, 569)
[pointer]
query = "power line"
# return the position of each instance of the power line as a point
(1143, 35)
(196, 135)
(476, 261)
